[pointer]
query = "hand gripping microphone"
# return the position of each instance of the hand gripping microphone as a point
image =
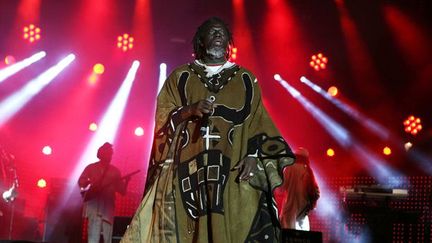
(205, 120)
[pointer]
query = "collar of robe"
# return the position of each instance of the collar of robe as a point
(216, 81)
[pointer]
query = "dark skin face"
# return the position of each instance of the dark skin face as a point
(106, 157)
(215, 41)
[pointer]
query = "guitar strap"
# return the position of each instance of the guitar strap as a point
(103, 175)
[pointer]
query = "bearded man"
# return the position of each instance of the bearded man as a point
(217, 156)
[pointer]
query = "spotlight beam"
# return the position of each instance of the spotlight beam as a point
(16, 67)
(329, 208)
(162, 76)
(373, 126)
(11, 105)
(421, 159)
(375, 165)
(108, 126)
(106, 132)
(335, 129)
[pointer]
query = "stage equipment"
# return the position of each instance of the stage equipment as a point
(380, 207)
(9, 172)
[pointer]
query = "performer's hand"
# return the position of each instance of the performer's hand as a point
(246, 167)
(84, 182)
(200, 108)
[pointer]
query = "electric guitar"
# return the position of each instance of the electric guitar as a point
(91, 191)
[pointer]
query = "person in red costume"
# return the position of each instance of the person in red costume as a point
(299, 193)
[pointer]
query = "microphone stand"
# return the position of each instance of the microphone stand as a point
(7, 161)
(11, 220)
(11, 200)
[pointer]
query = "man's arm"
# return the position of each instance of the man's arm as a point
(84, 179)
(171, 109)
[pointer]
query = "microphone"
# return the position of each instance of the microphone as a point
(204, 124)
(205, 120)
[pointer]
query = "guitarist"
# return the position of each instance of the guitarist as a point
(102, 180)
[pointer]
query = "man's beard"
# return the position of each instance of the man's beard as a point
(216, 52)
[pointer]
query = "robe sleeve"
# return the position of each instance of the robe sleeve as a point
(168, 105)
(167, 122)
(167, 126)
(267, 145)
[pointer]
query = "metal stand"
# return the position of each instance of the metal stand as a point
(11, 220)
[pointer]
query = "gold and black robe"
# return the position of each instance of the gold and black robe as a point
(193, 193)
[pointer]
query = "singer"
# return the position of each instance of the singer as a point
(218, 186)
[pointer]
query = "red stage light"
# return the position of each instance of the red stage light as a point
(98, 68)
(333, 91)
(31, 33)
(233, 54)
(387, 151)
(41, 183)
(412, 125)
(125, 42)
(9, 60)
(318, 62)
(330, 152)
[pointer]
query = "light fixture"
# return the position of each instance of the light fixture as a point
(10, 194)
